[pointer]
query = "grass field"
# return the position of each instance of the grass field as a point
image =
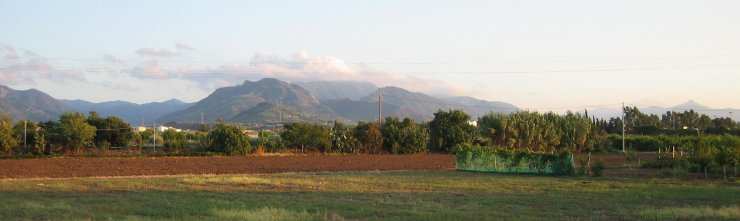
(426, 195)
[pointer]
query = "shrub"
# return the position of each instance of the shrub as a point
(229, 139)
(272, 144)
(598, 167)
(582, 169)
(499, 159)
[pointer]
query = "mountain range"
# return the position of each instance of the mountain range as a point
(648, 108)
(230, 103)
(30, 104)
(133, 113)
(270, 101)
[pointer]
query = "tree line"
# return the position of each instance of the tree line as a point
(688, 122)
(76, 133)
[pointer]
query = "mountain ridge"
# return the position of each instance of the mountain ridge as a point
(30, 104)
(128, 111)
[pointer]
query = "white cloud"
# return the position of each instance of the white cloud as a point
(112, 59)
(303, 67)
(149, 69)
(119, 86)
(11, 55)
(17, 71)
(181, 46)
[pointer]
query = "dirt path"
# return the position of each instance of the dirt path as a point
(92, 167)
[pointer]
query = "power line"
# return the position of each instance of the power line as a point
(498, 107)
(685, 109)
(365, 73)
(403, 63)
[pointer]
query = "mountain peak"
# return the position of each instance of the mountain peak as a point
(173, 101)
(227, 102)
(270, 80)
(328, 90)
(691, 104)
(30, 104)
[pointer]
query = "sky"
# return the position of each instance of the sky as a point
(533, 54)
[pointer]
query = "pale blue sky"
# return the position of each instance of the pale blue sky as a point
(529, 53)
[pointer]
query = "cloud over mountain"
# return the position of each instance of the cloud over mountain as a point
(17, 70)
(302, 66)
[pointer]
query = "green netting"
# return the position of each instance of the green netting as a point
(520, 162)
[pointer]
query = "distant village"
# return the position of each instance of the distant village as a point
(162, 128)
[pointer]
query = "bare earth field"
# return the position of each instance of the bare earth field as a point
(67, 167)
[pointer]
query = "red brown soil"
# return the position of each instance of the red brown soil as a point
(67, 167)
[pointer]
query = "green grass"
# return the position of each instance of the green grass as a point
(435, 195)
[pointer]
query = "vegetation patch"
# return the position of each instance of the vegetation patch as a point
(490, 159)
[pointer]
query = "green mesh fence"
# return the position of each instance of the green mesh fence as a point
(516, 162)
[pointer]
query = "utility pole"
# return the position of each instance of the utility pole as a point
(380, 109)
(154, 137)
(624, 122)
(280, 109)
(24, 135)
(732, 122)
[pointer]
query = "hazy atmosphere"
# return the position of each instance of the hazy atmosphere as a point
(533, 54)
(369, 110)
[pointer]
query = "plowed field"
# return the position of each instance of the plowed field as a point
(91, 167)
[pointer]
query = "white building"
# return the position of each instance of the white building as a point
(473, 122)
(161, 128)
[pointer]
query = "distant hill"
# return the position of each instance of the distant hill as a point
(477, 107)
(332, 90)
(130, 112)
(270, 113)
(363, 110)
(415, 105)
(30, 104)
(228, 102)
(647, 108)
(419, 106)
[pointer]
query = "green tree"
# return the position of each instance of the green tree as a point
(726, 154)
(229, 139)
(576, 129)
(76, 133)
(272, 144)
(450, 128)
(35, 141)
(111, 130)
(148, 137)
(522, 130)
(204, 141)
(7, 139)
(52, 133)
(305, 135)
(405, 136)
(174, 140)
(342, 139)
(137, 142)
(701, 153)
(369, 136)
